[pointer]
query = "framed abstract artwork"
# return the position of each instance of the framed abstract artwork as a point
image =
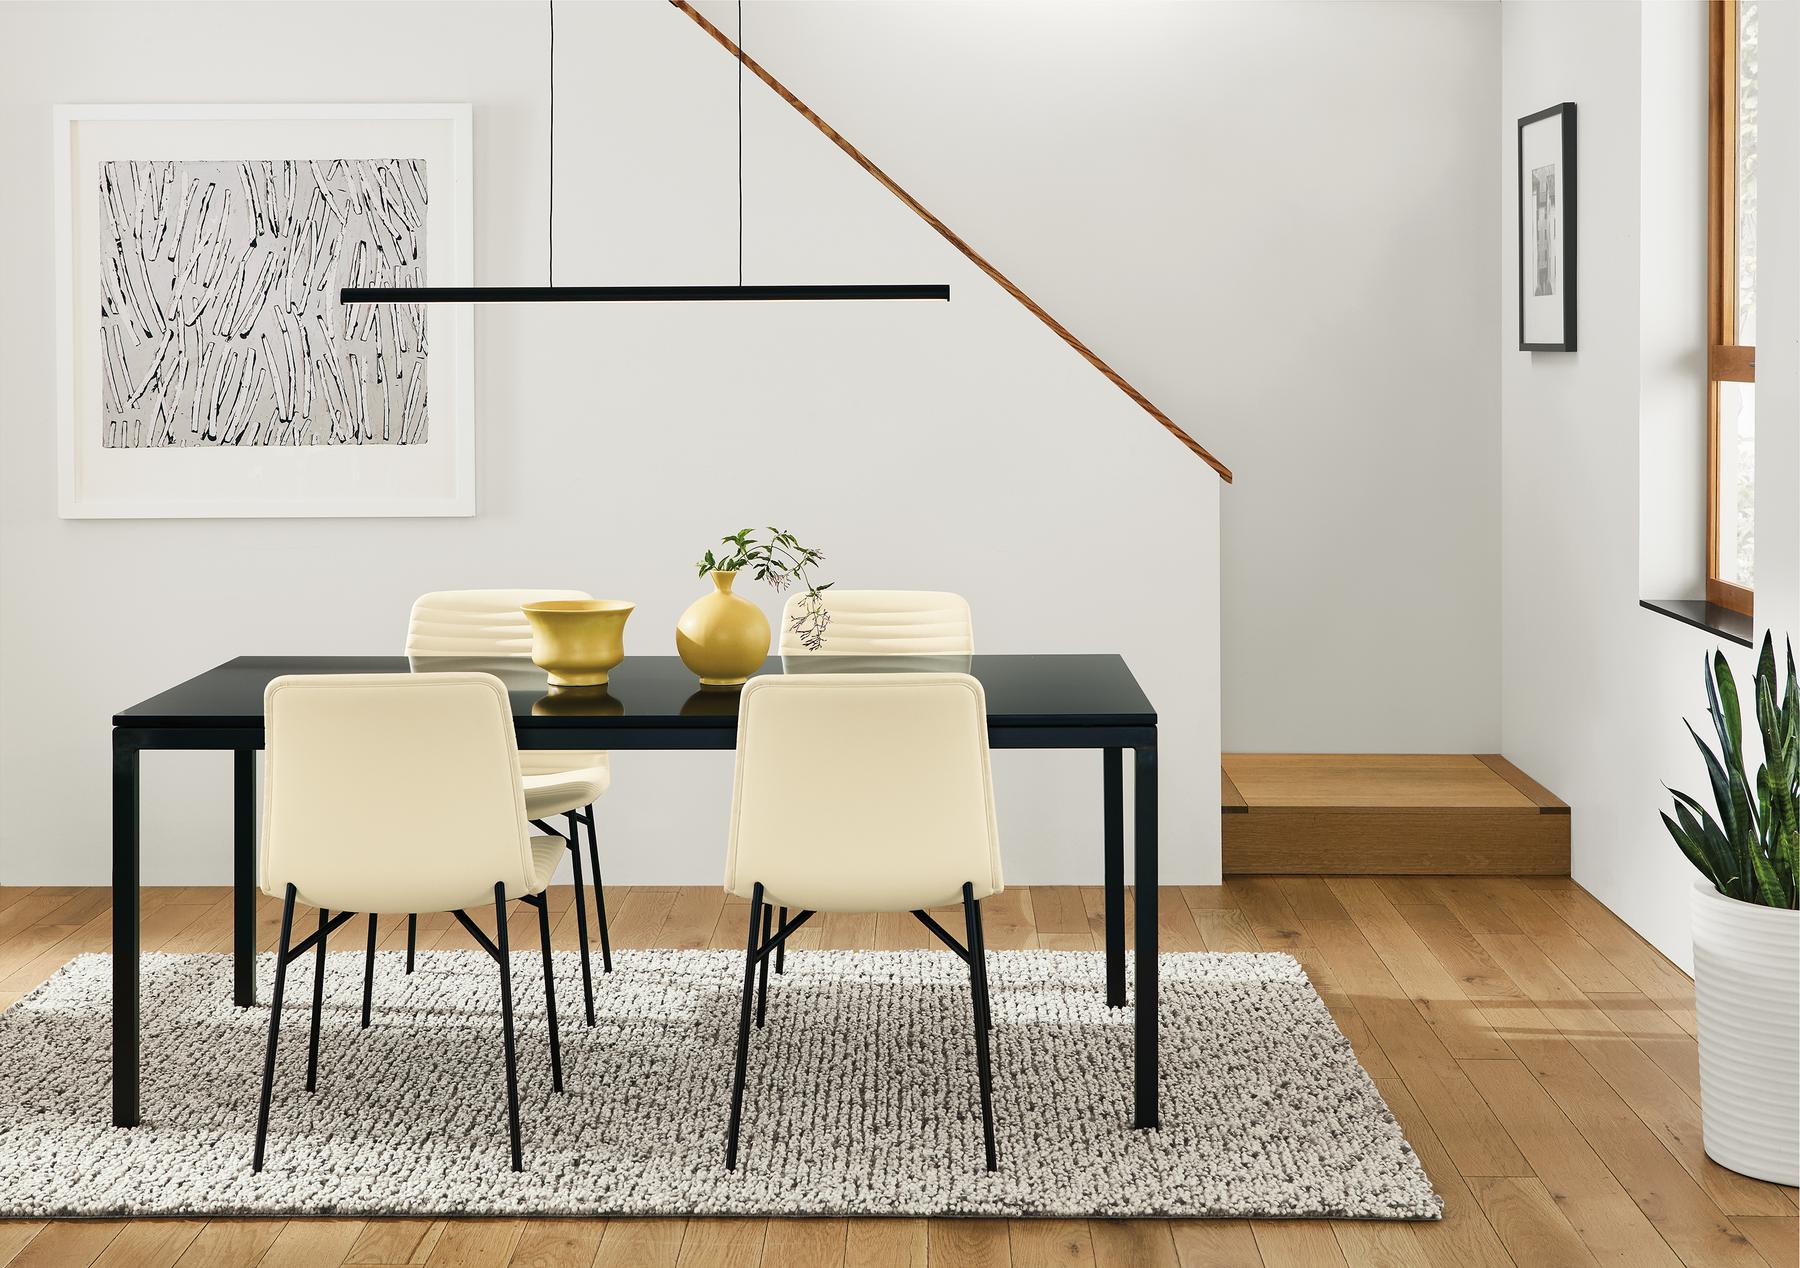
(1547, 230)
(205, 365)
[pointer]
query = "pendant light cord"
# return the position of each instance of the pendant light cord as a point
(740, 137)
(550, 234)
(550, 247)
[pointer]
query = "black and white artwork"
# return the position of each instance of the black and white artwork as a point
(1547, 230)
(1544, 255)
(206, 364)
(220, 323)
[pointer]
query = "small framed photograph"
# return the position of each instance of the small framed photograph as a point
(205, 366)
(1547, 230)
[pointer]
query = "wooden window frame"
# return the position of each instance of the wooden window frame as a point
(1727, 361)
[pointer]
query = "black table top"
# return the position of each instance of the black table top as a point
(1027, 690)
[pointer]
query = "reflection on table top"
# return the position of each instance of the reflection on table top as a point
(1024, 689)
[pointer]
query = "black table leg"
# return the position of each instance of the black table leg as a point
(1147, 1109)
(125, 932)
(1114, 797)
(243, 877)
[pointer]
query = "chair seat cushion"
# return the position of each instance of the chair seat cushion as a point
(555, 761)
(401, 895)
(546, 853)
(555, 792)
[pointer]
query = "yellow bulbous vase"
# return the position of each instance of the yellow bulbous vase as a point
(723, 638)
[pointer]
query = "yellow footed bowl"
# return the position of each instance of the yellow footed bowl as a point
(723, 638)
(578, 641)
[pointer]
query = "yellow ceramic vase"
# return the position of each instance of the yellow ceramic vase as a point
(577, 641)
(723, 638)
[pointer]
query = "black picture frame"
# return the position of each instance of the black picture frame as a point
(1553, 267)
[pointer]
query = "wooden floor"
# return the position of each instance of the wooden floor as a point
(1539, 1056)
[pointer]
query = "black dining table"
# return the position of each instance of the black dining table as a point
(1034, 701)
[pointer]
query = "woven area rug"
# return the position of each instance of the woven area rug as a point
(861, 1095)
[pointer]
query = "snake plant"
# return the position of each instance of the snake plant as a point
(1751, 851)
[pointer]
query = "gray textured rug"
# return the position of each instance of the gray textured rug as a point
(861, 1096)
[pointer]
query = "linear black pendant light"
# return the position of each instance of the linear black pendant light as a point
(636, 294)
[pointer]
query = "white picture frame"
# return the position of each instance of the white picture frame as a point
(267, 473)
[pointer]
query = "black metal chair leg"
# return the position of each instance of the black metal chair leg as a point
(762, 970)
(979, 951)
(312, 1049)
(556, 1077)
(412, 940)
(506, 1026)
(587, 969)
(369, 973)
(978, 992)
(599, 895)
(781, 947)
(743, 1044)
(268, 1083)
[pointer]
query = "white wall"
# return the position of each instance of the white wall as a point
(922, 445)
(1671, 273)
(1778, 333)
(1277, 220)
(1595, 687)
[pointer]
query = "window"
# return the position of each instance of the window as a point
(1731, 307)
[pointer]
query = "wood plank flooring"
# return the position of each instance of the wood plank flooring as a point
(1538, 1054)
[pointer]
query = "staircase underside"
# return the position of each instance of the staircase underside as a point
(1389, 813)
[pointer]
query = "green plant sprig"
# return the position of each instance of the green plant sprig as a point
(1751, 851)
(780, 560)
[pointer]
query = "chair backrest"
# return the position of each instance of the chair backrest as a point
(392, 792)
(863, 792)
(475, 622)
(876, 622)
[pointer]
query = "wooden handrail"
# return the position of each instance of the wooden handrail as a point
(949, 236)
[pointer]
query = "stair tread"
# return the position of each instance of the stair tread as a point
(1394, 781)
(1388, 813)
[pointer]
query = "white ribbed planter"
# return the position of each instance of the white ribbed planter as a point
(1747, 993)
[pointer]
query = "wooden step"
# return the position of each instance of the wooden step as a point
(1389, 813)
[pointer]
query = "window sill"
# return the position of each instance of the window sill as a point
(1732, 626)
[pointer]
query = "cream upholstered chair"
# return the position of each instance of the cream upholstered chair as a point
(867, 793)
(885, 623)
(906, 629)
(390, 793)
(489, 623)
